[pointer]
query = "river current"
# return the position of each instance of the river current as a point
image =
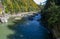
(32, 29)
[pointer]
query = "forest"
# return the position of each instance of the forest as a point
(44, 24)
(19, 5)
(51, 16)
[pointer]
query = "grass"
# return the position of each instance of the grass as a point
(4, 30)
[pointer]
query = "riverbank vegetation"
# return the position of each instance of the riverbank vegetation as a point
(15, 6)
(5, 30)
(51, 16)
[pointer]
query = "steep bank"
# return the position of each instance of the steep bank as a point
(51, 17)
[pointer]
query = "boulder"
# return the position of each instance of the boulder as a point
(3, 20)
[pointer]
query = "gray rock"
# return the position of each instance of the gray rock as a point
(3, 19)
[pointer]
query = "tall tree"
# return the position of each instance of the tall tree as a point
(51, 15)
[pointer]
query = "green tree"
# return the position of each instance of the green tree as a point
(51, 15)
(20, 5)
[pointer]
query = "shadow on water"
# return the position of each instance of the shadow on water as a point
(14, 27)
(28, 30)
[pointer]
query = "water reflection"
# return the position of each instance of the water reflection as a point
(30, 29)
(33, 30)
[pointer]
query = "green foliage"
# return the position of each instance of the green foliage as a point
(54, 13)
(51, 16)
(51, 13)
(19, 5)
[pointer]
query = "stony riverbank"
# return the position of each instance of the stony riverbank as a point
(5, 17)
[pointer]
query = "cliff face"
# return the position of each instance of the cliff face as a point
(51, 16)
